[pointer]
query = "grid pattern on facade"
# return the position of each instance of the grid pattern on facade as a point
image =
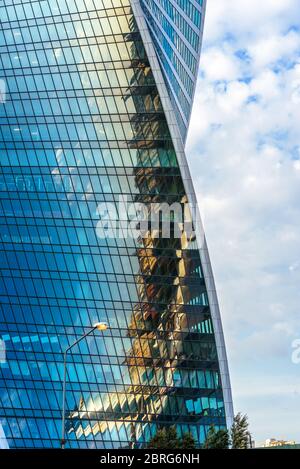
(82, 125)
(176, 29)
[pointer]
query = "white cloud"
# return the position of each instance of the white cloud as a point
(246, 19)
(218, 64)
(243, 148)
(268, 50)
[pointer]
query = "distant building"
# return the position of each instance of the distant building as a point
(283, 444)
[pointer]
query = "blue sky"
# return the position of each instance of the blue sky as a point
(244, 152)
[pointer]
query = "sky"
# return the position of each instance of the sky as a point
(243, 149)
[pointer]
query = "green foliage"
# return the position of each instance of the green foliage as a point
(188, 441)
(216, 439)
(238, 437)
(239, 432)
(167, 438)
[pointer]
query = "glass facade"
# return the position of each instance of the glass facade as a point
(82, 124)
(176, 30)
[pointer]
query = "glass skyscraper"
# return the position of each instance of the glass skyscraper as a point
(97, 101)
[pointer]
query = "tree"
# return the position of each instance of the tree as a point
(238, 437)
(188, 441)
(216, 439)
(167, 438)
(239, 432)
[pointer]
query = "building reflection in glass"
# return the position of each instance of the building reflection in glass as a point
(83, 124)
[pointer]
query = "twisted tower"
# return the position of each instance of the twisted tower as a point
(97, 105)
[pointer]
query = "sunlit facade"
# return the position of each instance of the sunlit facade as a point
(97, 105)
